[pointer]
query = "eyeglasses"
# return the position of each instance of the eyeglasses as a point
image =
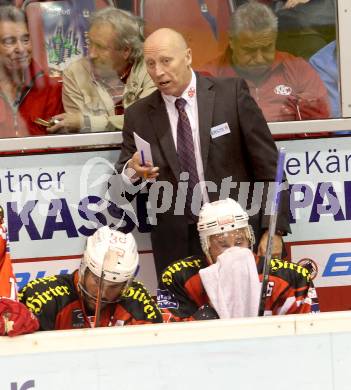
(99, 48)
(12, 41)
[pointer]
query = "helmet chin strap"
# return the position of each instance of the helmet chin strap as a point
(84, 294)
(209, 258)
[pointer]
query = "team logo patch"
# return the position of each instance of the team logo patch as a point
(310, 265)
(225, 220)
(313, 298)
(166, 300)
(282, 89)
(77, 319)
(191, 92)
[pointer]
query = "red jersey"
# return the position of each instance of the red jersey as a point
(288, 76)
(181, 294)
(7, 278)
(58, 305)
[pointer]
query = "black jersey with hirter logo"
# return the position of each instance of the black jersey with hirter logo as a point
(181, 293)
(56, 303)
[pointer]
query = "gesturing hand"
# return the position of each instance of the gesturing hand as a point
(147, 171)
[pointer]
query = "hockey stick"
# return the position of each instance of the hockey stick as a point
(98, 298)
(271, 231)
(98, 303)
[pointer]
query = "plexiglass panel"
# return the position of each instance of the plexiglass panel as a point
(286, 50)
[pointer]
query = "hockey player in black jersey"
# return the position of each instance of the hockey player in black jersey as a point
(102, 292)
(226, 281)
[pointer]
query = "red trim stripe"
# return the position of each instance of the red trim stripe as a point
(312, 242)
(289, 245)
(39, 259)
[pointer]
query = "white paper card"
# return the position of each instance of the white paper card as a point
(220, 130)
(143, 147)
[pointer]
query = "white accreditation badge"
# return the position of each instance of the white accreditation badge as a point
(219, 130)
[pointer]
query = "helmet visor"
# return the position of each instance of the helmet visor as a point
(110, 291)
(218, 243)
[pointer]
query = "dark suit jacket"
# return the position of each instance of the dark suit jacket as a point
(246, 154)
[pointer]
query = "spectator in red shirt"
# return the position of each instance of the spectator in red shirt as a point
(285, 87)
(26, 92)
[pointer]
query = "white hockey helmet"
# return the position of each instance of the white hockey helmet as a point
(111, 252)
(219, 217)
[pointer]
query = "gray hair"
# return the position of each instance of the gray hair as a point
(252, 16)
(127, 26)
(9, 13)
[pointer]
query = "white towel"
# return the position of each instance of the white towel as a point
(232, 283)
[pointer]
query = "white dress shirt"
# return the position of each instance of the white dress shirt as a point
(190, 95)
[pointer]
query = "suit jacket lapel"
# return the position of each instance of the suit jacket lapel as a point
(205, 105)
(160, 122)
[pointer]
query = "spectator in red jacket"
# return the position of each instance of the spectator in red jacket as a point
(285, 87)
(26, 92)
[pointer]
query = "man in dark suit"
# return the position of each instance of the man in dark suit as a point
(230, 146)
